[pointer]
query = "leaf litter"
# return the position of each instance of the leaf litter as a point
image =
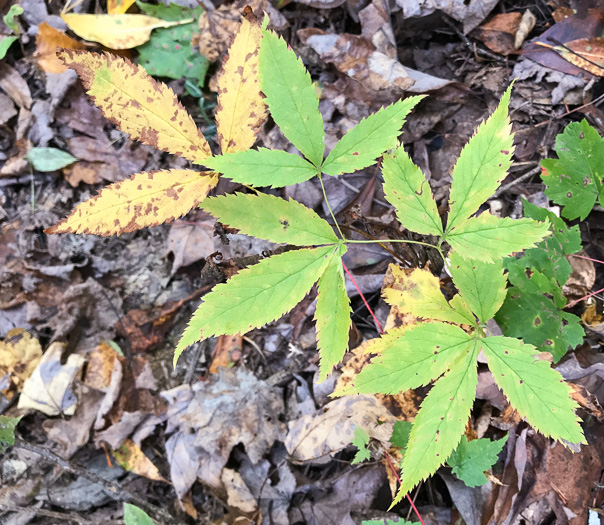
(54, 297)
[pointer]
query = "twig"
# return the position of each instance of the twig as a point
(113, 489)
(528, 175)
(199, 349)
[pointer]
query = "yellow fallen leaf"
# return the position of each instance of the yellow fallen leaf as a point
(118, 7)
(48, 40)
(132, 458)
(116, 31)
(241, 109)
(139, 105)
(145, 199)
(20, 354)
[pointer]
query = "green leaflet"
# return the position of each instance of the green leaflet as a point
(482, 164)
(332, 317)
(49, 159)
(361, 440)
(410, 358)
(529, 314)
(400, 434)
(488, 238)
(7, 431)
(418, 292)
(263, 167)
(574, 179)
(460, 306)
(257, 295)
(271, 218)
(481, 285)
(172, 12)
(5, 43)
(375, 134)
(535, 390)
(472, 458)
(135, 516)
(406, 188)
(441, 420)
(526, 312)
(291, 97)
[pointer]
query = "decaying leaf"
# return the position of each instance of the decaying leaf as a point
(48, 389)
(586, 53)
(139, 105)
(240, 110)
(146, 199)
(20, 353)
(115, 31)
(48, 40)
(132, 458)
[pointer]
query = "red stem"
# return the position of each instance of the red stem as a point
(379, 327)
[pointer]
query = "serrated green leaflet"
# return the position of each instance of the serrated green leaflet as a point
(481, 285)
(7, 431)
(460, 306)
(361, 440)
(534, 317)
(574, 179)
(291, 97)
(534, 389)
(135, 516)
(400, 434)
(441, 420)
(406, 188)
(472, 458)
(332, 317)
(263, 167)
(271, 218)
(482, 164)
(488, 238)
(364, 143)
(257, 295)
(418, 292)
(410, 358)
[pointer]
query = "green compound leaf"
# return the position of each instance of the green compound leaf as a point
(418, 292)
(482, 285)
(531, 315)
(482, 164)
(135, 516)
(271, 218)
(49, 159)
(364, 143)
(291, 97)
(263, 167)
(534, 389)
(361, 440)
(406, 188)
(257, 295)
(441, 420)
(472, 458)
(488, 238)
(574, 179)
(332, 317)
(410, 358)
(7, 431)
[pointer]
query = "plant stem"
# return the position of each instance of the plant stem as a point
(348, 241)
(329, 206)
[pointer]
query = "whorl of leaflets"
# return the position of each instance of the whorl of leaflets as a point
(444, 347)
(150, 112)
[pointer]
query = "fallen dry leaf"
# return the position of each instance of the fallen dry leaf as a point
(582, 278)
(100, 366)
(505, 33)
(20, 354)
(48, 40)
(15, 86)
(226, 352)
(48, 389)
(190, 241)
(130, 457)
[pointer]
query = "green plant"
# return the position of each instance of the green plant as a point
(9, 20)
(452, 333)
(135, 516)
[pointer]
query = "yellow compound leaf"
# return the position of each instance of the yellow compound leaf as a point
(139, 105)
(116, 31)
(118, 7)
(145, 199)
(241, 109)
